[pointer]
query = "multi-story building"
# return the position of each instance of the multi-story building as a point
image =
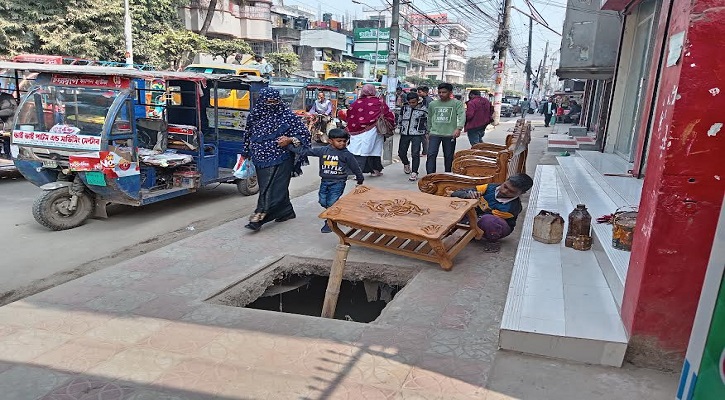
(287, 23)
(372, 44)
(250, 21)
(413, 49)
(448, 40)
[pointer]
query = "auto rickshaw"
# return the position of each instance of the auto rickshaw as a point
(83, 135)
(318, 125)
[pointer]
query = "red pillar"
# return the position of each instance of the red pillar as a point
(683, 187)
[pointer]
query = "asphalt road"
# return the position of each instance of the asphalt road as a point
(33, 258)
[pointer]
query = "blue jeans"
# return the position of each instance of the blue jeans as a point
(449, 148)
(476, 135)
(330, 191)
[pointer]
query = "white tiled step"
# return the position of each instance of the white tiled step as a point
(584, 184)
(559, 304)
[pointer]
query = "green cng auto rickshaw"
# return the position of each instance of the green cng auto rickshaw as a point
(88, 137)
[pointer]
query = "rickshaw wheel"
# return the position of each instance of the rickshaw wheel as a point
(248, 187)
(51, 209)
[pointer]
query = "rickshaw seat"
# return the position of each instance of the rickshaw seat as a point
(158, 126)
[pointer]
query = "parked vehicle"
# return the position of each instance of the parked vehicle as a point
(318, 125)
(348, 84)
(507, 110)
(85, 136)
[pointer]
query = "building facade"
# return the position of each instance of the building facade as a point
(372, 44)
(660, 112)
(448, 41)
(250, 21)
(287, 23)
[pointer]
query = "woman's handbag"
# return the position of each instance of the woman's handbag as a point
(384, 127)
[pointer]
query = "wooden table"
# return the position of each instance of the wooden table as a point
(408, 223)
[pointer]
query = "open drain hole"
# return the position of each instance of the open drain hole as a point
(297, 286)
(359, 301)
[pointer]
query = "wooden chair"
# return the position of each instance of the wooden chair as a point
(483, 163)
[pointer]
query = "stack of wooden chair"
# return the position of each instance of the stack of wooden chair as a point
(483, 163)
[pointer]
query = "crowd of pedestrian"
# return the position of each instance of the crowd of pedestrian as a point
(278, 144)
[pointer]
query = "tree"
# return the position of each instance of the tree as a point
(175, 47)
(225, 48)
(339, 67)
(284, 62)
(152, 17)
(79, 28)
(210, 10)
(479, 69)
(84, 28)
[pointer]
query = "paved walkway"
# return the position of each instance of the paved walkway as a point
(142, 330)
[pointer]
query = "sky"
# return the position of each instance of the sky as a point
(484, 32)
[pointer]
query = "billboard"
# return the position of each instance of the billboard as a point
(370, 35)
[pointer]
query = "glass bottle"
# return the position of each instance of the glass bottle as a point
(580, 223)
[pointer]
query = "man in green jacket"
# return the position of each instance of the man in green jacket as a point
(446, 117)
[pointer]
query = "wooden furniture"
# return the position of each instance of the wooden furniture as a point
(483, 163)
(403, 222)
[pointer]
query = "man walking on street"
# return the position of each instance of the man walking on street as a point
(547, 108)
(446, 117)
(426, 100)
(525, 105)
(412, 121)
(478, 116)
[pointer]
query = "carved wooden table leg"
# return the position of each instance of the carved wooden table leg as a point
(473, 223)
(444, 259)
(336, 229)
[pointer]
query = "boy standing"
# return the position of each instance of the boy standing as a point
(412, 122)
(336, 162)
(446, 117)
(425, 99)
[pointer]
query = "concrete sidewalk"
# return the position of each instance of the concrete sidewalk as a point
(143, 330)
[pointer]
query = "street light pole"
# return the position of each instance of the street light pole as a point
(129, 35)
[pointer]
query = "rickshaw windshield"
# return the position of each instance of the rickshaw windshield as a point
(59, 109)
(298, 102)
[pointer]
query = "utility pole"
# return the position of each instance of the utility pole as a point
(528, 60)
(392, 72)
(551, 72)
(129, 34)
(377, 46)
(394, 42)
(501, 66)
(543, 64)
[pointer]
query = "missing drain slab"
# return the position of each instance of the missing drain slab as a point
(297, 286)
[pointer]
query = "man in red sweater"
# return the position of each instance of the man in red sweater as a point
(479, 114)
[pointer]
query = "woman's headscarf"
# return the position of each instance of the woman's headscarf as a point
(368, 90)
(363, 114)
(271, 118)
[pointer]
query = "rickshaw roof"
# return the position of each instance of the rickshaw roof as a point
(127, 72)
(317, 86)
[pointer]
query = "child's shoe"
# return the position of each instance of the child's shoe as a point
(325, 228)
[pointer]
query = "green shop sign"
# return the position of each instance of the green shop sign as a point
(370, 55)
(363, 35)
